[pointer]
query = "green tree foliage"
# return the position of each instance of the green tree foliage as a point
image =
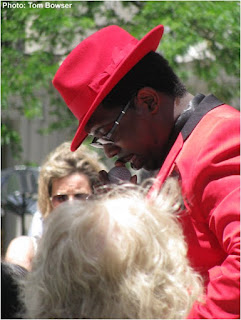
(11, 137)
(27, 75)
(191, 23)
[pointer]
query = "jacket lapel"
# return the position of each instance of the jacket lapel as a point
(208, 103)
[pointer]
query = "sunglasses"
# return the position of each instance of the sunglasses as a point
(106, 139)
(60, 198)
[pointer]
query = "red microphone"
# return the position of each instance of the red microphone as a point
(119, 174)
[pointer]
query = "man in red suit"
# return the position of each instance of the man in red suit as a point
(128, 97)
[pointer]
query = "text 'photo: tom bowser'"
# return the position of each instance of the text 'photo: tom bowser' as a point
(34, 5)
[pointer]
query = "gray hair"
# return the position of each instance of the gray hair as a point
(118, 256)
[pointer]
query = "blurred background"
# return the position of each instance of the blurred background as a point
(201, 42)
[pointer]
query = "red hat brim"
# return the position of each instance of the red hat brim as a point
(148, 43)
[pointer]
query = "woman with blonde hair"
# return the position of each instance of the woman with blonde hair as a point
(64, 175)
(119, 255)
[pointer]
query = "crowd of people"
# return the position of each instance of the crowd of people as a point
(126, 253)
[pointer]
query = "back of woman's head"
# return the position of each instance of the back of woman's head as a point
(118, 256)
(60, 163)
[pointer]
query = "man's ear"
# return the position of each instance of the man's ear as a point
(148, 97)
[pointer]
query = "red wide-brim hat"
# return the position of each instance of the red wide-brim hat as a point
(95, 66)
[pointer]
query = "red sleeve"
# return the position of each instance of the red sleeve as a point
(217, 186)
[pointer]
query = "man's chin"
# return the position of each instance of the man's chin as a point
(152, 166)
(138, 162)
(146, 167)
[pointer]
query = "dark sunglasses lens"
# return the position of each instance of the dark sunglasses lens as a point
(81, 196)
(100, 142)
(59, 198)
(96, 144)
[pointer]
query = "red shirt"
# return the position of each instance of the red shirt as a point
(208, 164)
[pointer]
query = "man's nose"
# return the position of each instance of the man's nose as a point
(111, 150)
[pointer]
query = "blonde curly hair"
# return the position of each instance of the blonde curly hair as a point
(60, 163)
(118, 256)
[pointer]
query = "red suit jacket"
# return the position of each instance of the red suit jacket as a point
(206, 157)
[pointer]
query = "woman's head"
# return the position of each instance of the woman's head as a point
(65, 172)
(117, 256)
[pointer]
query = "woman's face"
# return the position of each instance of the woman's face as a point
(75, 186)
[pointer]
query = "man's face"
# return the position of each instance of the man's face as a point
(140, 138)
